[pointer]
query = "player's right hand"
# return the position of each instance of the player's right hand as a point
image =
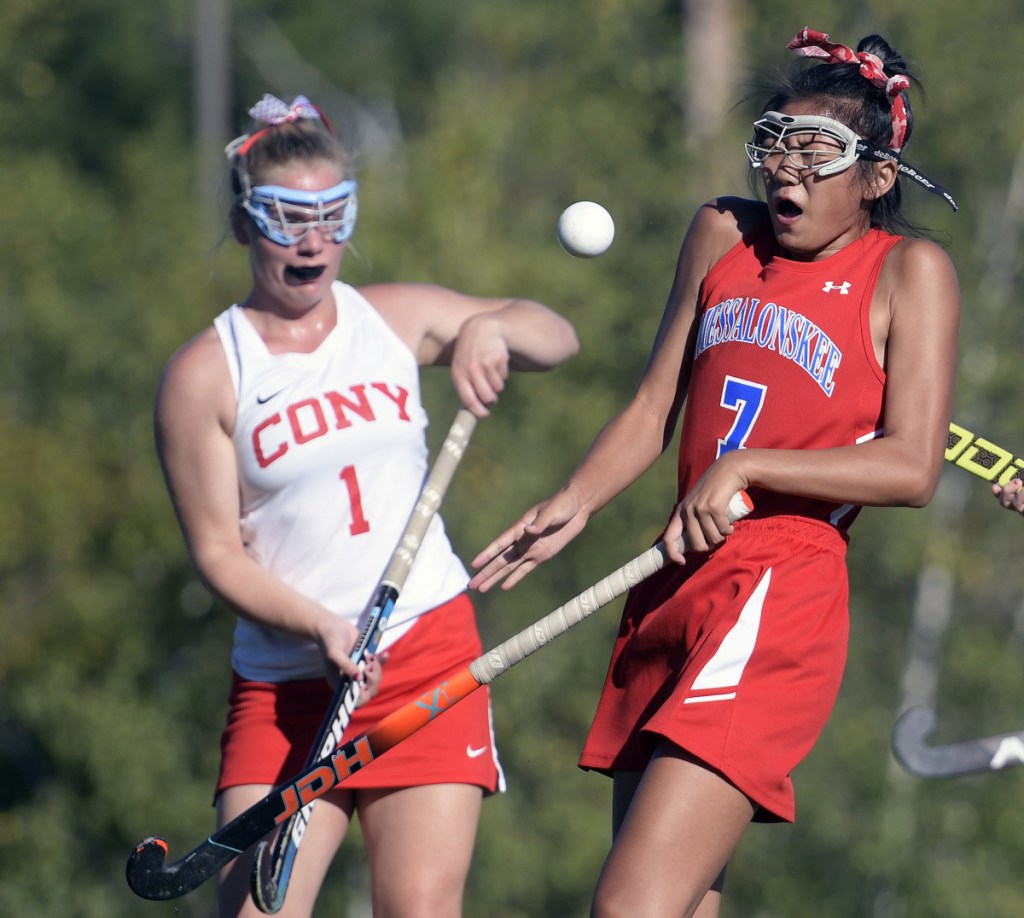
(539, 534)
(1010, 495)
(336, 637)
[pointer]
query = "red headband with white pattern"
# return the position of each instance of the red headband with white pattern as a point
(809, 43)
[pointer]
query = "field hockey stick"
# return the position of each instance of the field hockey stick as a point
(150, 877)
(270, 885)
(981, 457)
(985, 459)
(272, 867)
(953, 760)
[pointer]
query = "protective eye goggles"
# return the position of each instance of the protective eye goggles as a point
(808, 143)
(286, 216)
(816, 145)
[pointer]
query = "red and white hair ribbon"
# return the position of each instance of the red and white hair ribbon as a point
(809, 43)
(271, 110)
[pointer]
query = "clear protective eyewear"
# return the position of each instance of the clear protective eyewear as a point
(286, 215)
(816, 145)
(809, 144)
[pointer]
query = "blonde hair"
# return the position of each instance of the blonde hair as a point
(256, 155)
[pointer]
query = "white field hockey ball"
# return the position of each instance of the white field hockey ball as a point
(585, 229)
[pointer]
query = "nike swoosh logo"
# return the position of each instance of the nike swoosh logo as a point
(262, 400)
(475, 753)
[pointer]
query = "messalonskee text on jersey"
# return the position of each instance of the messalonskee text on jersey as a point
(311, 418)
(775, 328)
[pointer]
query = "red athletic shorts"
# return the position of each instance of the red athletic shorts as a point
(271, 726)
(736, 657)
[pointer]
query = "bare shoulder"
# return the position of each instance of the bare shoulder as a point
(196, 360)
(719, 225)
(920, 270)
(197, 379)
(744, 215)
(426, 315)
(406, 307)
(402, 296)
(390, 294)
(914, 254)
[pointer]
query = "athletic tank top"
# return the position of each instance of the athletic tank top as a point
(784, 360)
(331, 454)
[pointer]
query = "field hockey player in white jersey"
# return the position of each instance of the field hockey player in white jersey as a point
(292, 437)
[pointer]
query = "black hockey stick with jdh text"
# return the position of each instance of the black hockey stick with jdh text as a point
(272, 866)
(151, 877)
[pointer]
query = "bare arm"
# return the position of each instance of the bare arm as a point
(481, 339)
(917, 300)
(630, 443)
(194, 414)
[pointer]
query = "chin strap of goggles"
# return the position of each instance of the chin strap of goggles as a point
(865, 151)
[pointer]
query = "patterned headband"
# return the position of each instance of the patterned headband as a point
(809, 43)
(272, 112)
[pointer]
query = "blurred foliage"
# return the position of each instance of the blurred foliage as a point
(474, 125)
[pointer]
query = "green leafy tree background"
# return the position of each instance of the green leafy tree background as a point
(473, 124)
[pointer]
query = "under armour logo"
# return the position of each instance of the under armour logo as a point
(843, 288)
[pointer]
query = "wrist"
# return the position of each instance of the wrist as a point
(741, 464)
(582, 500)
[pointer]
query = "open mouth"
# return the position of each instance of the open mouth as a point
(787, 209)
(304, 274)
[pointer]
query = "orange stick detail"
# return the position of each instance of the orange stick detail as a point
(416, 714)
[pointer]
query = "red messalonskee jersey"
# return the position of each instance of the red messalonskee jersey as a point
(784, 360)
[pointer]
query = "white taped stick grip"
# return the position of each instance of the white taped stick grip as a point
(447, 461)
(521, 645)
(492, 664)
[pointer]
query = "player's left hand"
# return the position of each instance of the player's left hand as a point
(480, 363)
(703, 514)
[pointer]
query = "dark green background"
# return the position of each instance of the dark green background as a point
(475, 123)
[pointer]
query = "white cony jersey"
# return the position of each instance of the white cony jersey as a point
(332, 455)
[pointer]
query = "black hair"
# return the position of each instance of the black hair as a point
(847, 96)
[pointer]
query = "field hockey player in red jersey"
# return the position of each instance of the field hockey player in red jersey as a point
(292, 436)
(809, 340)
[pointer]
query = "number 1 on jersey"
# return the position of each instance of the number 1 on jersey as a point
(359, 524)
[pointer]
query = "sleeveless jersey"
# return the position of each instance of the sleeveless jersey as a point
(784, 360)
(332, 455)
